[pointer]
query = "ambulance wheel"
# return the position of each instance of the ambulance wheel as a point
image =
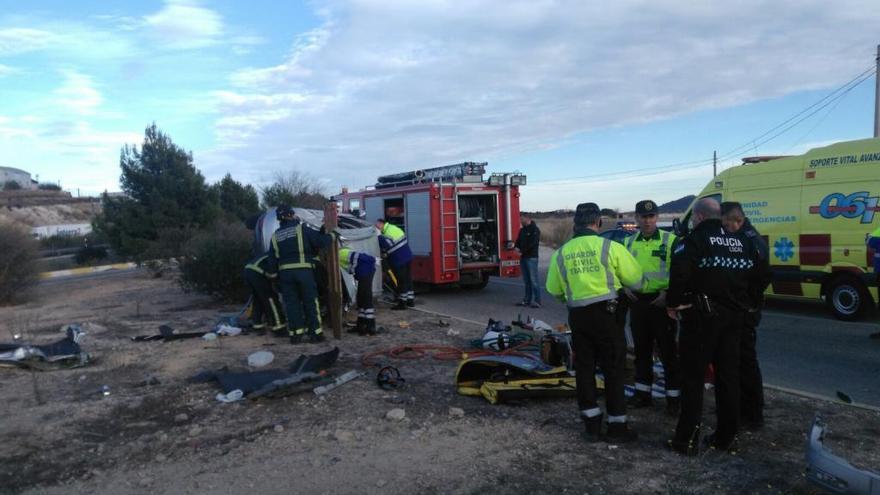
(848, 298)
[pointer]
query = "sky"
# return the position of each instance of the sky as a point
(610, 102)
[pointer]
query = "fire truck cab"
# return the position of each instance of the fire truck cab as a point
(460, 227)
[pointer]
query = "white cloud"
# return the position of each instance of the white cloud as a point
(6, 70)
(78, 94)
(185, 25)
(14, 41)
(387, 85)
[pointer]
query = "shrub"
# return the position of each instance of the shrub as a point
(90, 254)
(48, 186)
(11, 185)
(19, 267)
(556, 231)
(214, 260)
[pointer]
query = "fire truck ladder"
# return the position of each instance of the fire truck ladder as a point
(448, 229)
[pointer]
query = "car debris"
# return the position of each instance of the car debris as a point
(341, 380)
(167, 334)
(65, 353)
(277, 382)
(835, 473)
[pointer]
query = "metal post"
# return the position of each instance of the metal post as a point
(714, 163)
(877, 95)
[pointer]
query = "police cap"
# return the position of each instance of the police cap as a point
(646, 207)
(584, 212)
(284, 211)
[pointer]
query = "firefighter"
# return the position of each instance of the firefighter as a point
(751, 383)
(362, 267)
(395, 249)
(266, 304)
(652, 249)
(291, 255)
(586, 273)
(712, 274)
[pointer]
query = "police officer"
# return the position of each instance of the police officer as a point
(751, 383)
(362, 267)
(586, 273)
(711, 275)
(652, 249)
(392, 241)
(292, 253)
(266, 306)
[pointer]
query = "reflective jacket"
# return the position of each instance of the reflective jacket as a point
(654, 255)
(295, 246)
(874, 243)
(260, 264)
(728, 268)
(393, 243)
(590, 269)
(361, 265)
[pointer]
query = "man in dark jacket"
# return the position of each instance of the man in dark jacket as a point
(751, 382)
(527, 244)
(712, 280)
(291, 254)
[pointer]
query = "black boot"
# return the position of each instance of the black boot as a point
(640, 400)
(728, 445)
(689, 447)
(281, 333)
(296, 338)
(592, 429)
(316, 338)
(673, 405)
(410, 303)
(401, 305)
(370, 326)
(359, 328)
(620, 433)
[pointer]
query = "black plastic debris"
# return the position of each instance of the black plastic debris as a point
(167, 334)
(389, 378)
(274, 382)
(65, 353)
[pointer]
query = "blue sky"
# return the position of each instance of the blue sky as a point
(572, 94)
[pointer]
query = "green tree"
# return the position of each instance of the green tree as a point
(11, 185)
(294, 188)
(165, 199)
(236, 200)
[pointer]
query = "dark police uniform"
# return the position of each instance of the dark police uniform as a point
(648, 318)
(292, 253)
(266, 308)
(586, 273)
(751, 381)
(714, 271)
(362, 267)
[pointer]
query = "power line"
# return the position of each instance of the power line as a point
(833, 97)
(819, 105)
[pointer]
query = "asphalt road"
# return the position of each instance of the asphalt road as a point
(800, 345)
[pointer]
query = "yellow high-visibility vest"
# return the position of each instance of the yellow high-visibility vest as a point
(590, 269)
(654, 255)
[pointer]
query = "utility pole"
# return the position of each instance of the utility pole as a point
(877, 95)
(714, 163)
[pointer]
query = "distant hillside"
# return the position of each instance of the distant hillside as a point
(677, 206)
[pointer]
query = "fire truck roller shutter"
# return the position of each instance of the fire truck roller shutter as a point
(418, 223)
(375, 208)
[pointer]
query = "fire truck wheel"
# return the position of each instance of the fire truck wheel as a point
(484, 281)
(847, 298)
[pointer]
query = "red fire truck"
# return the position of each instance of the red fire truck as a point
(460, 227)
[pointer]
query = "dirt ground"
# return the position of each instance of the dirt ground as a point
(60, 434)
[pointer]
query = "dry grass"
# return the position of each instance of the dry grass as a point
(19, 266)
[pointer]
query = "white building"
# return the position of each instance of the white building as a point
(13, 174)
